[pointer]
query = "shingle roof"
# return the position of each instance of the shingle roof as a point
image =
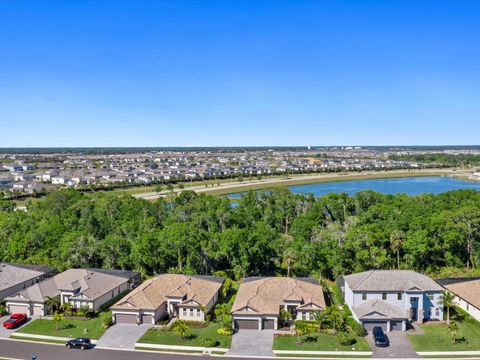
(390, 280)
(154, 292)
(266, 295)
(466, 288)
(11, 274)
(93, 283)
(378, 309)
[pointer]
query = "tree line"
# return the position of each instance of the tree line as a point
(266, 233)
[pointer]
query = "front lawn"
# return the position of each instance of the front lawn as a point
(194, 337)
(67, 327)
(317, 342)
(437, 337)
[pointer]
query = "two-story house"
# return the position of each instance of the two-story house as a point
(391, 299)
(259, 301)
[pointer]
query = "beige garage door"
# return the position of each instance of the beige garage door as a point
(19, 309)
(269, 324)
(147, 319)
(126, 318)
(38, 310)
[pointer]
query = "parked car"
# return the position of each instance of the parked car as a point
(381, 340)
(15, 321)
(79, 343)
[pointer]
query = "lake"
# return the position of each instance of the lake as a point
(409, 185)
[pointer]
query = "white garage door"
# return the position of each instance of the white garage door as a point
(19, 309)
(38, 310)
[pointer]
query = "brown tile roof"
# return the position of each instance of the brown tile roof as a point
(154, 292)
(467, 289)
(266, 295)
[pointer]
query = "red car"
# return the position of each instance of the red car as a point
(15, 320)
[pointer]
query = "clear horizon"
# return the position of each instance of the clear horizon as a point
(239, 73)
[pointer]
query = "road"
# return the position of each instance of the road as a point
(24, 350)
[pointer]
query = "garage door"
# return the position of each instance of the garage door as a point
(18, 309)
(369, 325)
(269, 324)
(246, 324)
(38, 310)
(126, 318)
(147, 319)
(395, 326)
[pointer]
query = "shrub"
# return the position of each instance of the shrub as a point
(107, 322)
(208, 318)
(3, 310)
(358, 329)
(196, 324)
(209, 342)
(310, 326)
(345, 338)
(225, 331)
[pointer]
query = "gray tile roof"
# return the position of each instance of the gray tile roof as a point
(11, 275)
(390, 280)
(377, 309)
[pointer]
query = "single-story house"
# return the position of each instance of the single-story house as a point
(391, 299)
(79, 287)
(15, 277)
(260, 300)
(467, 293)
(188, 297)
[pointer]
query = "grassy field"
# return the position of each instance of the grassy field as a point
(437, 338)
(67, 327)
(317, 342)
(194, 338)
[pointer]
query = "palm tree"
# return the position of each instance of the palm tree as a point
(222, 312)
(447, 300)
(319, 318)
(285, 316)
(53, 303)
(335, 316)
(452, 330)
(57, 317)
(67, 308)
(396, 240)
(180, 327)
(289, 258)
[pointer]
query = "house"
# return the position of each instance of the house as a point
(391, 299)
(79, 287)
(467, 294)
(14, 277)
(259, 301)
(188, 297)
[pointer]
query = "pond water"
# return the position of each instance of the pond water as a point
(410, 186)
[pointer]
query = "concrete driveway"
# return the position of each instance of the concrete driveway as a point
(122, 336)
(5, 333)
(252, 343)
(399, 347)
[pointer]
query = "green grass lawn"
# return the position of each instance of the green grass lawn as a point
(195, 337)
(317, 342)
(67, 327)
(437, 338)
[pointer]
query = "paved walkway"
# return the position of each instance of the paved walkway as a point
(252, 343)
(122, 336)
(399, 347)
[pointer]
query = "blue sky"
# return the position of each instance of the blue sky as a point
(232, 73)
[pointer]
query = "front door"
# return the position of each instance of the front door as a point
(414, 308)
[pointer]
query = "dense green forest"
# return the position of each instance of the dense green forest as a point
(267, 233)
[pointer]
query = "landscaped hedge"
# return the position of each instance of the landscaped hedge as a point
(196, 324)
(345, 338)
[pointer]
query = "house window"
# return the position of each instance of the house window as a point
(198, 312)
(191, 312)
(184, 312)
(437, 312)
(364, 296)
(430, 296)
(399, 296)
(304, 316)
(384, 296)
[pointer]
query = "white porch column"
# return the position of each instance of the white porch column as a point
(275, 325)
(260, 324)
(389, 326)
(404, 325)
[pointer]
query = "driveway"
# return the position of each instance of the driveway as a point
(252, 343)
(399, 347)
(122, 336)
(5, 333)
